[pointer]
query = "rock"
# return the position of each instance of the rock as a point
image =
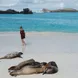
(26, 11)
(60, 10)
(11, 11)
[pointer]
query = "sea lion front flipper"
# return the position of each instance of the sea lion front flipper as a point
(44, 72)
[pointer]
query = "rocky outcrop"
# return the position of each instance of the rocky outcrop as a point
(11, 11)
(60, 10)
(26, 11)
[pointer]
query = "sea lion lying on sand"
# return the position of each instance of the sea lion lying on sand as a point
(26, 68)
(12, 55)
(32, 67)
(51, 68)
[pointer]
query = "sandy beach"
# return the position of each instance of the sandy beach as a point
(42, 46)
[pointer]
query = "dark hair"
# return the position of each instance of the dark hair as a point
(20, 26)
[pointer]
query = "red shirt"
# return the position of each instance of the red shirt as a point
(22, 33)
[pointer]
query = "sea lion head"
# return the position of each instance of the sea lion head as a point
(20, 53)
(52, 63)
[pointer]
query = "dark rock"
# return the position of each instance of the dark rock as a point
(26, 11)
(11, 11)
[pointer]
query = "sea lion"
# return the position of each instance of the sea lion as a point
(26, 68)
(12, 55)
(51, 68)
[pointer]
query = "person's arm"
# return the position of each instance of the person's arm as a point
(20, 32)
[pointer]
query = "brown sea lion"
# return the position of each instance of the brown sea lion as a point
(26, 68)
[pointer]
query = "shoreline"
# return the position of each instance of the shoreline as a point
(32, 32)
(40, 34)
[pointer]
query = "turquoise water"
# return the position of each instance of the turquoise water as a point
(45, 22)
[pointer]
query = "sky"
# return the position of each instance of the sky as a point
(37, 5)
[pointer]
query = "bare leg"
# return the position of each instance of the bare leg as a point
(23, 45)
(23, 42)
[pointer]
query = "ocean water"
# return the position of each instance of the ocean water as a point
(41, 22)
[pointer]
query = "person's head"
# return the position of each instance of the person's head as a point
(21, 27)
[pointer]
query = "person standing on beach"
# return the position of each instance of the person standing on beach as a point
(22, 33)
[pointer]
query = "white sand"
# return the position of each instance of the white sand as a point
(49, 46)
